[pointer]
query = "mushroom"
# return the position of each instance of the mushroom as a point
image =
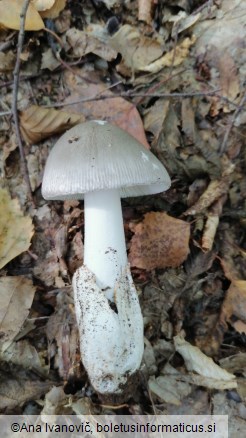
(101, 163)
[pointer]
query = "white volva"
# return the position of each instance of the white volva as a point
(111, 343)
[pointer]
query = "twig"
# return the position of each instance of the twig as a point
(75, 73)
(130, 94)
(14, 99)
(155, 87)
(223, 145)
(51, 32)
(100, 96)
(208, 4)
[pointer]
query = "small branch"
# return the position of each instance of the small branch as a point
(130, 94)
(223, 145)
(14, 99)
(208, 4)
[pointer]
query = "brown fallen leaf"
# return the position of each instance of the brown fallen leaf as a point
(16, 297)
(159, 241)
(235, 363)
(154, 118)
(169, 388)
(233, 310)
(229, 78)
(83, 43)
(173, 58)
(136, 49)
(48, 269)
(196, 189)
(10, 11)
(117, 111)
(17, 387)
(49, 61)
(54, 402)
(62, 331)
(183, 22)
(188, 121)
(232, 258)
(215, 190)
(37, 123)
(7, 61)
(212, 224)
(203, 365)
(16, 230)
(24, 354)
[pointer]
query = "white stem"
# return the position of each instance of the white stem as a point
(104, 246)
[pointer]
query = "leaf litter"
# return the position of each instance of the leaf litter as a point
(175, 81)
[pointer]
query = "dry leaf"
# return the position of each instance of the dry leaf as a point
(221, 41)
(212, 223)
(83, 43)
(173, 58)
(136, 49)
(16, 230)
(235, 363)
(62, 330)
(117, 111)
(18, 388)
(37, 123)
(55, 10)
(185, 22)
(160, 241)
(222, 33)
(197, 361)
(49, 61)
(154, 118)
(7, 61)
(170, 389)
(215, 190)
(240, 327)
(81, 406)
(233, 310)
(188, 121)
(48, 269)
(229, 78)
(16, 297)
(24, 354)
(212, 383)
(10, 11)
(42, 5)
(54, 400)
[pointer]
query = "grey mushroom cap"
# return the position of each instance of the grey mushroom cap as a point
(96, 155)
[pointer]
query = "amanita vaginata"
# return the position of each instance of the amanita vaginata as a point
(101, 163)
